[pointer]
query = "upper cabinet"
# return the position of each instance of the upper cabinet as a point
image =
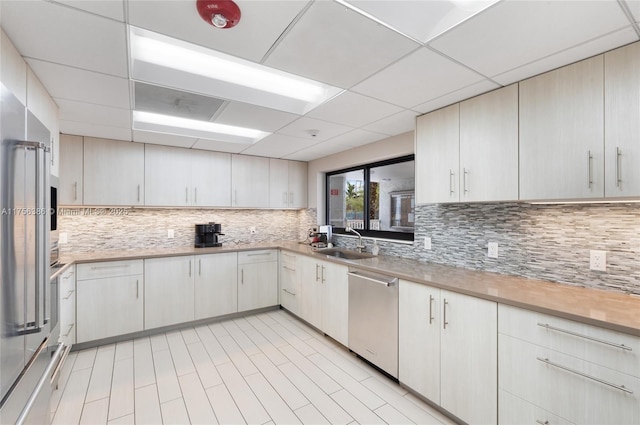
(287, 184)
(113, 172)
(562, 133)
(469, 151)
(196, 178)
(71, 160)
(622, 122)
(249, 181)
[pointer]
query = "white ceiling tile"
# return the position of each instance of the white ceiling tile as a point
(357, 138)
(84, 86)
(317, 151)
(218, 146)
(422, 20)
(354, 110)
(260, 25)
(113, 9)
(93, 114)
(395, 124)
(95, 130)
(456, 96)
(324, 130)
(574, 54)
(422, 76)
(337, 46)
(60, 34)
(513, 33)
(634, 6)
(163, 139)
(256, 117)
(278, 146)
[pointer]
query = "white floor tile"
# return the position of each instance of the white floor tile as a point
(174, 412)
(63, 378)
(223, 406)
(123, 420)
(237, 355)
(189, 335)
(245, 399)
(285, 320)
(408, 408)
(167, 380)
(318, 376)
(289, 393)
(356, 408)
(159, 342)
(243, 341)
(276, 407)
(195, 398)
(304, 348)
(85, 359)
(147, 406)
(264, 345)
(100, 383)
(433, 412)
(95, 413)
(122, 388)
(266, 331)
(309, 415)
(391, 416)
(72, 401)
(124, 350)
(204, 366)
(345, 361)
(217, 329)
(144, 372)
(212, 345)
(181, 358)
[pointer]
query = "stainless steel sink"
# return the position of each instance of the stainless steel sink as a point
(347, 254)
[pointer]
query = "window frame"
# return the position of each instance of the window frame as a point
(366, 168)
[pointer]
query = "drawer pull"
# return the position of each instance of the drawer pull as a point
(593, 378)
(590, 338)
(288, 255)
(538, 421)
(288, 268)
(68, 276)
(69, 294)
(262, 253)
(69, 331)
(289, 292)
(431, 318)
(115, 266)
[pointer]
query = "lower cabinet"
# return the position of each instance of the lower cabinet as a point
(216, 284)
(258, 279)
(290, 270)
(67, 312)
(169, 291)
(448, 350)
(109, 299)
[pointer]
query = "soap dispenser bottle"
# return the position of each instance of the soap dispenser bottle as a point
(375, 249)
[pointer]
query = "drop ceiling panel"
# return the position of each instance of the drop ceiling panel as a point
(163, 139)
(423, 75)
(574, 54)
(456, 96)
(634, 6)
(422, 20)
(395, 124)
(60, 34)
(357, 138)
(261, 24)
(166, 101)
(513, 33)
(113, 9)
(278, 146)
(218, 146)
(80, 85)
(317, 151)
(94, 114)
(304, 126)
(354, 110)
(95, 130)
(252, 116)
(337, 46)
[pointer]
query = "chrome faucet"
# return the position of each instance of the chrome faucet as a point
(360, 247)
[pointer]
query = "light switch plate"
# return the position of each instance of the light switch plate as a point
(63, 237)
(171, 234)
(493, 250)
(427, 242)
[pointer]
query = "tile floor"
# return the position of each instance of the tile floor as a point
(268, 368)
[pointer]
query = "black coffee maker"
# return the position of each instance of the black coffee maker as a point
(207, 235)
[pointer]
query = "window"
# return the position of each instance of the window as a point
(375, 199)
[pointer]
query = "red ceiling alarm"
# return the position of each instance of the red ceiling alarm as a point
(219, 13)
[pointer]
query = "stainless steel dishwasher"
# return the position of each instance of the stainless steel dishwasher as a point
(373, 318)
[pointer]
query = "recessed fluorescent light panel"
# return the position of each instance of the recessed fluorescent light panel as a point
(168, 124)
(169, 62)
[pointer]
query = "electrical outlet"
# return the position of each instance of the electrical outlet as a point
(493, 250)
(171, 234)
(64, 237)
(598, 260)
(427, 242)
(252, 230)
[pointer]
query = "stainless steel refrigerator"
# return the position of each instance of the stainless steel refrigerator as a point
(27, 353)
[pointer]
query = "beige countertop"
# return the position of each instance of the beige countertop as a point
(611, 310)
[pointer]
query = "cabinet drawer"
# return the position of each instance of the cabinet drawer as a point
(608, 348)
(109, 269)
(261, 256)
(571, 388)
(67, 281)
(288, 258)
(516, 411)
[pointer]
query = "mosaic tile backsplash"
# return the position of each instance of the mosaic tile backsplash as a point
(549, 242)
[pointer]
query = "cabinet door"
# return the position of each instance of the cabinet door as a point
(71, 160)
(109, 307)
(622, 121)
(249, 181)
(258, 285)
(419, 325)
(514, 410)
(335, 301)
(167, 176)
(113, 172)
(311, 292)
(562, 133)
(169, 290)
(297, 184)
(289, 282)
(216, 285)
(278, 183)
(438, 156)
(210, 179)
(469, 358)
(489, 146)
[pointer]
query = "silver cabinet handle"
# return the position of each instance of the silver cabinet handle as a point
(451, 176)
(186, 195)
(68, 276)
(584, 375)
(388, 281)
(137, 288)
(189, 268)
(538, 421)
(138, 193)
(464, 180)
(618, 167)
(195, 195)
(114, 266)
(589, 162)
(431, 318)
(324, 269)
(290, 198)
(235, 197)
(590, 338)
(242, 276)
(75, 191)
(444, 313)
(284, 266)
(261, 253)
(69, 331)
(317, 267)
(199, 267)
(289, 292)
(69, 294)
